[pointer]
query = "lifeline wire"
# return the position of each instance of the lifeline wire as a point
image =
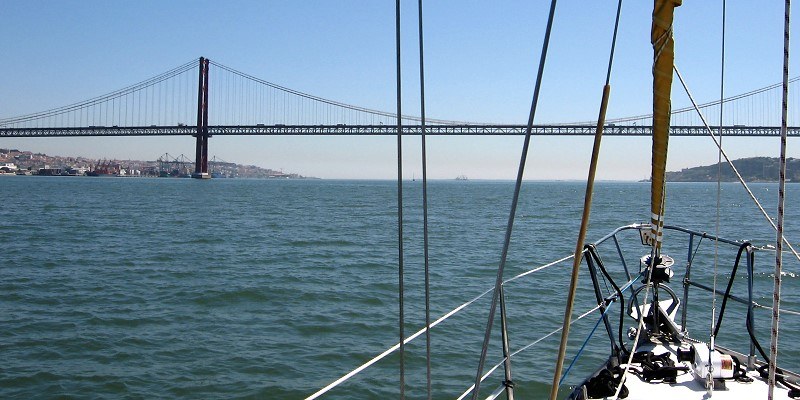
(425, 209)
(776, 293)
(401, 316)
(526, 347)
(441, 319)
(517, 186)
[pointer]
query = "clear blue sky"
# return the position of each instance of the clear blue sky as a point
(481, 60)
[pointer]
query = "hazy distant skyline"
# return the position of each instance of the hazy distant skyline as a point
(481, 61)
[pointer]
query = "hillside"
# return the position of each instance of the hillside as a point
(754, 169)
(12, 160)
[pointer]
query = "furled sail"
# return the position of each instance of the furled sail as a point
(663, 58)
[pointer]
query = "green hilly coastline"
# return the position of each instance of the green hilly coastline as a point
(754, 169)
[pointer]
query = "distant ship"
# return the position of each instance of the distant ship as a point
(462, 178)
(103, 168)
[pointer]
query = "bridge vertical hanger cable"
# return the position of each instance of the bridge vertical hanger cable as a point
(335, 109)
(587, 207)
(515, 200)
(424, 206)
(401, 313)
(82, 107)
(776, 293)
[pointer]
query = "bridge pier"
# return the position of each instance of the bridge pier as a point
(201, 147)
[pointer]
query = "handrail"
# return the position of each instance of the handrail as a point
(739, 299)
(610, 236)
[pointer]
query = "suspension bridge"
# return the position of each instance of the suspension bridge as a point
(184, 101)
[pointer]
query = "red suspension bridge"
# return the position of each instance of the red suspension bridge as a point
(185, 102)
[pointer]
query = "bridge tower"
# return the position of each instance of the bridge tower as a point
(201, 151)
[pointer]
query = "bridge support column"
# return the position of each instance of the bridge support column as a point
(201, 149)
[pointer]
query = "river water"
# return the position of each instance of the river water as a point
(228, 288)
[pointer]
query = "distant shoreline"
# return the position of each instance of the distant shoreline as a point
(752, 169)
(15, 161)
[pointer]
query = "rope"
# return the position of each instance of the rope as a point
(602, 316)
(583, 346)
(425, 208)
(400, 269)
(517, 186)
(776, 293)
(587, 208)
(733, 167)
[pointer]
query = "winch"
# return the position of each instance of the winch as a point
(721, 365)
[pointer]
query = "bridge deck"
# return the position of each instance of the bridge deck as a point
(382, 130)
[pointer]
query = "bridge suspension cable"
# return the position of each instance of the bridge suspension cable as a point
(711, 103)
(77, 113)
(759, 107)
(242, 104)
(314, 110)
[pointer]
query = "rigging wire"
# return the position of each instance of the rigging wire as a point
(587, 207)
(424, 206)
(400, 269)
(712, 333)
(517, 187)
(776, 294)
(730, 163)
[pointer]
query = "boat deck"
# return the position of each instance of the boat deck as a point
(687, 387)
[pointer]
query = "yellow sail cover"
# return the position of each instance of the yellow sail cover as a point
(663, 58)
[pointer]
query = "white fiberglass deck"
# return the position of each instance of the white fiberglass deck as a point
(688, 388)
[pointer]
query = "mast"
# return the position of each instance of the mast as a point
(663, 60)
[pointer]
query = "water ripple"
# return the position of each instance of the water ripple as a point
(121, 289)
